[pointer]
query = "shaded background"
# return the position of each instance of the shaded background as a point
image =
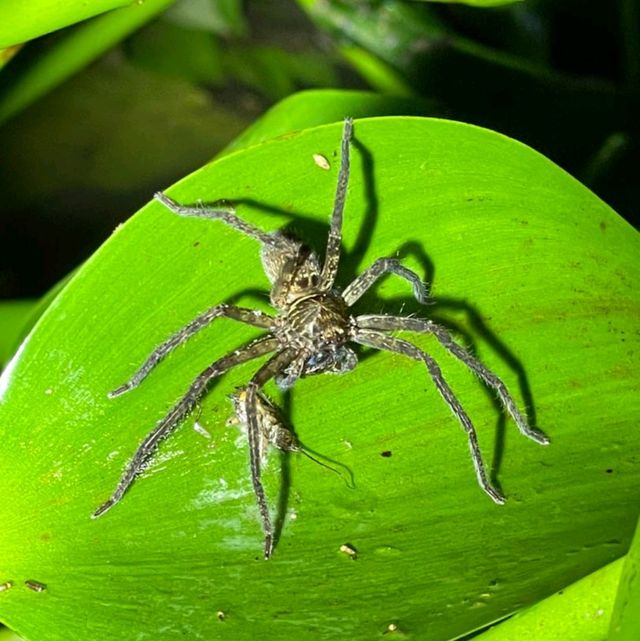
(561, 76)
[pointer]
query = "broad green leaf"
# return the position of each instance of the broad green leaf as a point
(625, 621)
(531, 269)
(72, 52)
(579, 612)
(22, 21)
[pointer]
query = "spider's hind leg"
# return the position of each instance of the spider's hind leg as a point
(381, 341)
(395, 323)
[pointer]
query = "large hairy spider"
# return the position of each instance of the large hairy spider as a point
(309, 334)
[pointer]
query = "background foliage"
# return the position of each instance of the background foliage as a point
(99, 110)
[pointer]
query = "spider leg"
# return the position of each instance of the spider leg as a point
(394, 323)
(332, 256)
(252, 350)
(380, 267)
(254, 434)
(391, 344)
(248, 316)
(225, 213)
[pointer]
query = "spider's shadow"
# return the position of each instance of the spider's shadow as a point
(315, 233)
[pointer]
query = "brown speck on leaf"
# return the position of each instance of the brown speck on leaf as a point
(35, 586)
(7, 585)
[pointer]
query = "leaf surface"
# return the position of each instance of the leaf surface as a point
(529, 268)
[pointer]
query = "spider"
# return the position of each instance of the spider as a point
(309, 334)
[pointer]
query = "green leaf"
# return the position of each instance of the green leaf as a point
(528, 266)
(222, 17)
(13, 317)
(72, 52)
(476, 3)
(625, 621)
(579, 612)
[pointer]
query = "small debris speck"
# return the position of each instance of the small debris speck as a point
(392, 627)
(220, 615)
(201, 430)
(321, 161)
(386, 453)
(48, 392)
(347, 548)
(6, 586)
(36, 586)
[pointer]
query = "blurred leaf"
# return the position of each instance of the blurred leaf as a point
(579, 612)
(190, 54)
(73, 51)
(529, 265)
(476, 3)
(567, 118)
(13, 317)
(314, 107)
(7, 54)
(222, 17)
(625, 621)
(276, 72)
(7, 635)
(22, 21)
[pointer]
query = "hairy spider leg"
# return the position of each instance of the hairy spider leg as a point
(248, 316)
(379, 268)
(381, 341)
(276, 364)
(226, 215)
(395, 323)
(332, 256)
(254, 349)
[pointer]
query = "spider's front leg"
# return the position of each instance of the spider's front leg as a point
(332, 255)
(247, 316)
(380, 267)
(381, 341)
(254, 349)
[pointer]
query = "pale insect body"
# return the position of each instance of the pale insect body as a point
(309, 334)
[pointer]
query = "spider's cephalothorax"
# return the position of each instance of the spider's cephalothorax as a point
(309, 335)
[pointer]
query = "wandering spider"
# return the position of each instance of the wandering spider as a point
(308, 335)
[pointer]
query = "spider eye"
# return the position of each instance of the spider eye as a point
(303, 282)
